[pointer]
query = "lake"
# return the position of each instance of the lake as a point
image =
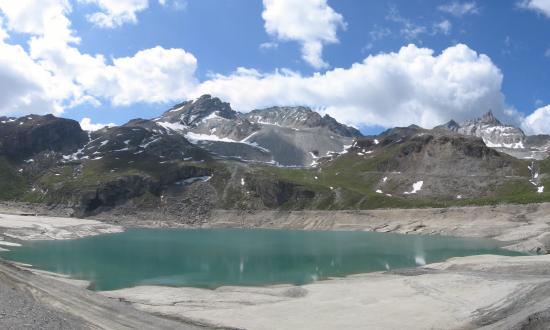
(211, 258)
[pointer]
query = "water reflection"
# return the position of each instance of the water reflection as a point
(211, 258)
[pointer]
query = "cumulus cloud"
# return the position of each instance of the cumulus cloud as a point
(24, 85)
(538, 122)
(540, 6)
(87, 125)
(460, 9)
(312, 23)
(151, 75)
(412, 86)
(46, 17)
(54, 75)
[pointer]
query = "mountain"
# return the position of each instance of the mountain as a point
(506, 138)
(494, 133)
(29, 135)
(201, 155)
(287, 136)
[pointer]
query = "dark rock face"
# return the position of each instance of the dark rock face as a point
(115, 192)
(23, 137)
(141, 136)
(274, 194)
(401, 132)
(124, 188)
(451, 126)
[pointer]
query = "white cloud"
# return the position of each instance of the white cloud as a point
(46, 17)
(443, 27)
(24, 85)
(87, 125)
(151, 75)
(54, 75)
(460, 9)
(547, 52)
(540, 6)
(411, 86)
(313, 23)
(116, 12)
(538, 122)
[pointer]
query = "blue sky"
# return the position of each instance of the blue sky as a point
(220, 36)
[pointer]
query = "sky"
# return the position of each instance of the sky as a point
(368, 63)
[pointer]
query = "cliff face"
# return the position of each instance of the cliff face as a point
(25, 136)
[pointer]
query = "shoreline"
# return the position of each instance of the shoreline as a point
(442, 286)
(490, 292)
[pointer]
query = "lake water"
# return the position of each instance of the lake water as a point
(215, 257)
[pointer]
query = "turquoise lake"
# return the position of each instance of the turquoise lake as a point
(214, 257)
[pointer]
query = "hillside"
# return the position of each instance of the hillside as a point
(202, 155)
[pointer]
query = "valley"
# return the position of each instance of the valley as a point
(202, 165)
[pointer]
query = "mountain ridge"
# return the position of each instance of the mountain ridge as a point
(201, 155)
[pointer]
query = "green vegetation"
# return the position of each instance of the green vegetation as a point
(12, 184)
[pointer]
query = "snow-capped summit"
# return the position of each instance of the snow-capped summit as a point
(494, 133)
(192, 113)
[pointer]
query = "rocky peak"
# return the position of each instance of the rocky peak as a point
(487, 119)
(25, 136)
(191, 113)
(451, 125)
(490, 119)
(295, 117)
(298, 118)
(493, 132)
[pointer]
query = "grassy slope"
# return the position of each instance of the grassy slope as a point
(349, 182)
(74, 179)
(357, 177)
(12, 184)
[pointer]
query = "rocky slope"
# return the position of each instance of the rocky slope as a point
(503, 137)
(202, 155)
(288, 136)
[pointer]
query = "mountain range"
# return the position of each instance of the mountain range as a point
(201, 154)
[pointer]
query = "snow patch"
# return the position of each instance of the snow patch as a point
(417, 186)
(172, 126)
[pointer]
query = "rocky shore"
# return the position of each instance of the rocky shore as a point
(478, 292)
(487, 292)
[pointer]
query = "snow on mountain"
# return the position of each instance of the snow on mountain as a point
(288, 136)
(506, 138)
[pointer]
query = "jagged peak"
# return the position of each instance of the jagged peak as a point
(300, 117)
(487, 118)
(451, 125)
(192, 112)
(490, 118)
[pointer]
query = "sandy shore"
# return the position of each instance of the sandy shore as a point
(462, 293)
(21, 227)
